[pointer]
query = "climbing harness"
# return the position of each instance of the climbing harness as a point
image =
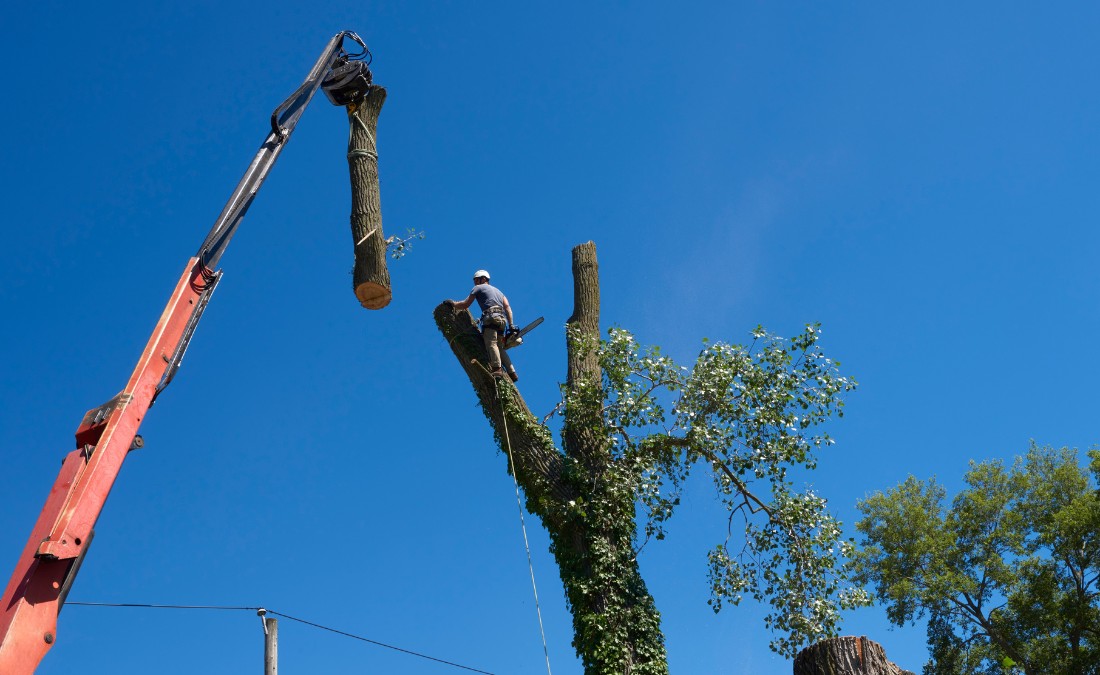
(522, 524)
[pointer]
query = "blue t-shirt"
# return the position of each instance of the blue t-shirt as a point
(487, 296)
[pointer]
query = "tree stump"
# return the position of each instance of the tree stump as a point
(371, 277)
(848, 655)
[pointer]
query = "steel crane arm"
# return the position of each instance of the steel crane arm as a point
(283, 120)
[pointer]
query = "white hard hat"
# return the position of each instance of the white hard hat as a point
(481, 273)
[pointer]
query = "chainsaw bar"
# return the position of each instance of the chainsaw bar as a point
(516, 339)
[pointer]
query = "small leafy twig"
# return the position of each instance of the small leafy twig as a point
(399, 246)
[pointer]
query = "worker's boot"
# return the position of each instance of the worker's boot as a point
(497, 373)
(513, 374)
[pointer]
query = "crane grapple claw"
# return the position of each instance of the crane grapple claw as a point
(347, 82)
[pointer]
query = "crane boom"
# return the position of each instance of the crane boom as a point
(65, 527)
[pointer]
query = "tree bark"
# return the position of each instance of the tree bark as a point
(581, 500)
(371, 277)
(585, 321)
(848, 655)
(582, 435)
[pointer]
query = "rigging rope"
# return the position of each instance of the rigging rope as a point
(523, 525)
(362, 152)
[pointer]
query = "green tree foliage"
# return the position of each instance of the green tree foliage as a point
(1009, 573)
(748, 414)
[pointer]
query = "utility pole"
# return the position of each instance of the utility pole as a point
(271, 643)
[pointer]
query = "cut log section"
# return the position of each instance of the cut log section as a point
(371, 277)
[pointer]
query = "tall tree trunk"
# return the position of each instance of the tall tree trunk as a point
(583, 435)
(371, 277)
(845, 656)
(583, 363)
(579, 495)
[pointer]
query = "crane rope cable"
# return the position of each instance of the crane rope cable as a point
(285, 616)
(523, 525)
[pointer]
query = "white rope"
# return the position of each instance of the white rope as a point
(370, 154)
(523, 526)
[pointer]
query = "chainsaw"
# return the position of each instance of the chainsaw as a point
(515, 338)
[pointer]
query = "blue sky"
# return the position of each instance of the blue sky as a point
(920, 180)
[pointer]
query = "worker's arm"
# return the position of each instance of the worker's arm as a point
(507, 310)
(464, 304)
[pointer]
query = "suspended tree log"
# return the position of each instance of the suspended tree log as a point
(845, 656)
(371, 277)
(616, 626)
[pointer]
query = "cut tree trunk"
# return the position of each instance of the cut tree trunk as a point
(585, 322)
(582, 435)
(580, 501)
(371, 277)
(848, 655)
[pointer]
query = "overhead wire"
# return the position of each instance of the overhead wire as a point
(530, 567)
(375, 642)
(285, 616)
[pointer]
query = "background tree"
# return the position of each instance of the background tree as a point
(635, 426)
(1009, 573)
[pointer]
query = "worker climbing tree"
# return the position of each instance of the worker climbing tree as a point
(496, 323)
(635, 425)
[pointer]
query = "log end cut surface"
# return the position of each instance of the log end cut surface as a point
(373, 295)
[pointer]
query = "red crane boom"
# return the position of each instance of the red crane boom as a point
(64, 530)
